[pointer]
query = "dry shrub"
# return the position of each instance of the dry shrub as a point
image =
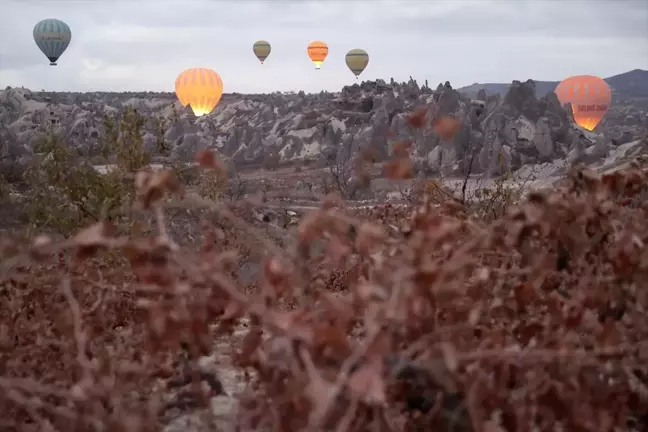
(533, 321)
(5, 189)
(211, 184)
(440, 316)
(271, 161)
(482, 201)
(447, 127)
(434, 189)
(212, 181)
(188, 174)
(485, 202)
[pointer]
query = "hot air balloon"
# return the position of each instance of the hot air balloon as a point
(52, 37)
(317, 51)
(199, 88)
(179, 90)
(589, 96)
(261, 50)
(357, 60)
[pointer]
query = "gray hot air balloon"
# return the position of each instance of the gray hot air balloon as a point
(52, 37)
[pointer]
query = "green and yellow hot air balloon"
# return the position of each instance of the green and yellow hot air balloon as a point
(261, 50)
(357, 60)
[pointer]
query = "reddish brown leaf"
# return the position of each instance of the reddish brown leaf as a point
(368, 385)
(417, 118)
(447, 127)
(449, 356)
(151, 186)
(208, 159)
(402, 148)
(491, 426)
(399, 169)
(90, 239)
(251, 342)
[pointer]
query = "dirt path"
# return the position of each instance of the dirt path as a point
(221, 416)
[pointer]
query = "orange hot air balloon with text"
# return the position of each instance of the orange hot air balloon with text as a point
(317, 51)
(589, 97)
(200, 88)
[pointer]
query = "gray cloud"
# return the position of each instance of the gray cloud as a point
(593, 19)
(144, 44)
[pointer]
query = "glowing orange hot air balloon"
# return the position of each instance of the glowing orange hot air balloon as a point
(589, 96)
(317, 51)
(179, 90)
(199, 88)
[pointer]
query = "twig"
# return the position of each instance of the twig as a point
(349, 416)
(590, 357)
(162, 228)
(79, 335)
(467, 176)
(343, 376)
(239, 223)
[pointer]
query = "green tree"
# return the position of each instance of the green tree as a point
(67, 192)
(159, 125)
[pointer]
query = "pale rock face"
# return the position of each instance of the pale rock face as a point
(542, 138)
(149, 142)
(497, 132)
(601, 147)
(434, 158)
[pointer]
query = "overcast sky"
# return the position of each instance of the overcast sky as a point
(135, 45)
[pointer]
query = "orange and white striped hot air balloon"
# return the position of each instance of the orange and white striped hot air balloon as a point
(589, 97)
(317, 51)
(200, 88)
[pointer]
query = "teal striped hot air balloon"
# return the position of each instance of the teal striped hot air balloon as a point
(52, 37)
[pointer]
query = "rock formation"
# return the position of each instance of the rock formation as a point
(495, 133)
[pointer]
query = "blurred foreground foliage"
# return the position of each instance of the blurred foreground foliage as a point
(409, 319)
(480, 310)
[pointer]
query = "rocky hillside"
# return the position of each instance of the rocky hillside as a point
(631, 84)
(495, 131)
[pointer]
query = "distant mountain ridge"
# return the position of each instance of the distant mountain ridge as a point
(629, 84)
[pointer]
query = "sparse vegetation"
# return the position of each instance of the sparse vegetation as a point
(485, 201)
(347, 171)
(64, 190)
(160, 125)
(212, 184)
(4, 189)
(213, 180)
(484, 197)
